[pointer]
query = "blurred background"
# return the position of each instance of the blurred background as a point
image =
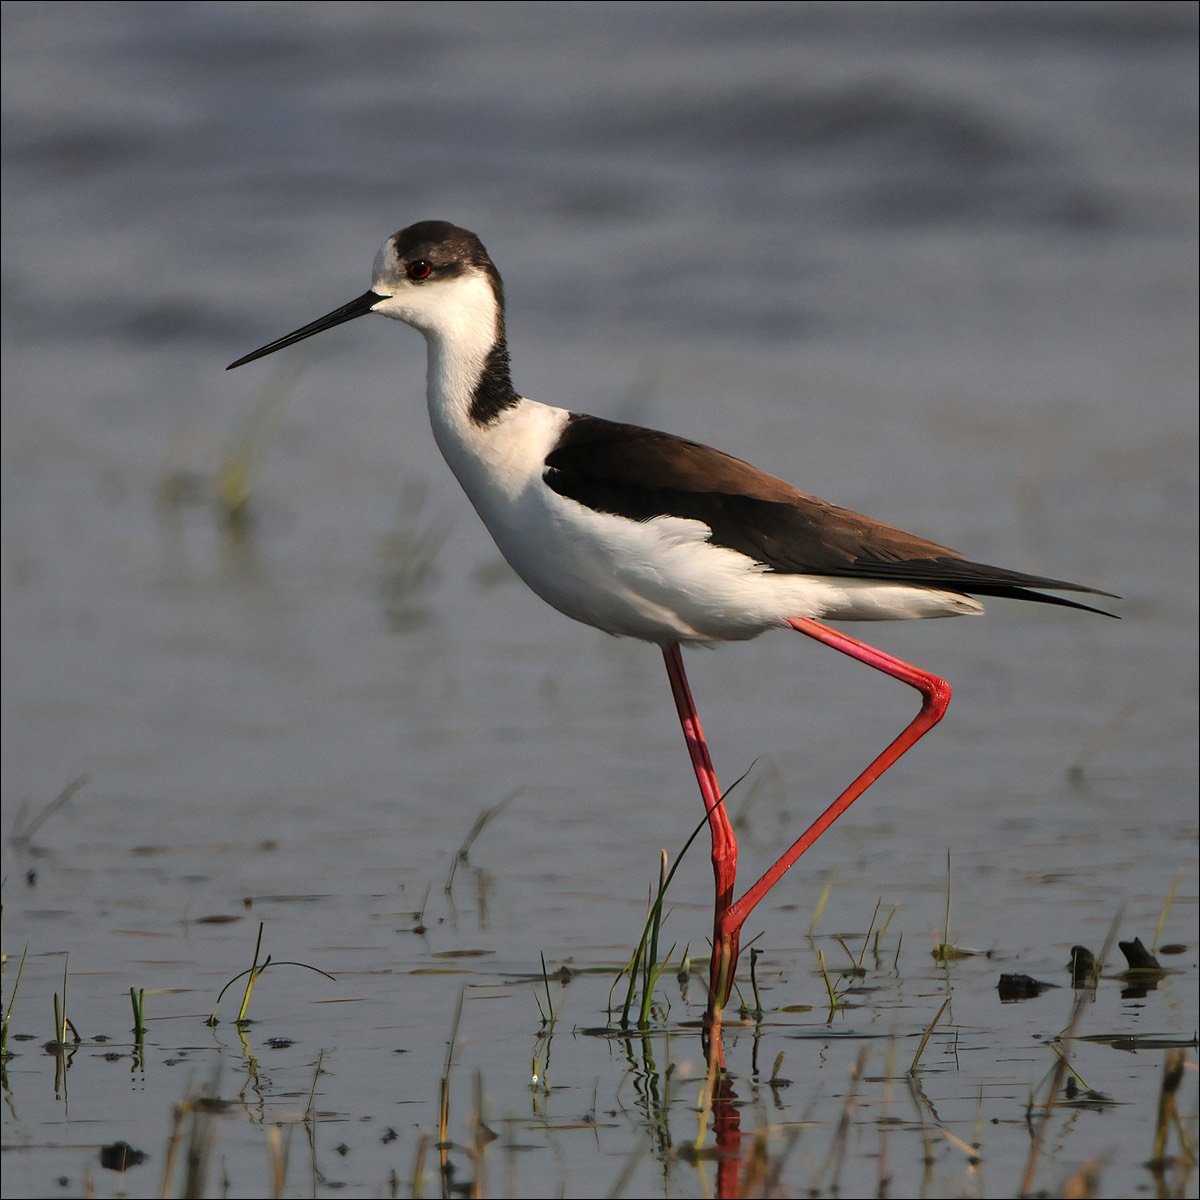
(933, 262)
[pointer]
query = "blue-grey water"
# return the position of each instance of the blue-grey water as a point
(935, 262)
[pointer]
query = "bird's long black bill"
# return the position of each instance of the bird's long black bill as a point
(356, 308)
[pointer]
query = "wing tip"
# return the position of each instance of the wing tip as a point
(1021, 593)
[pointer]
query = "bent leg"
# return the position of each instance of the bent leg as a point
(935, 694)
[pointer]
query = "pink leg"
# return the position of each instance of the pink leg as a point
(936, 697)
(729, 917)
(724, 842)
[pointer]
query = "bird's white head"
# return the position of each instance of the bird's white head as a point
(433, 276)
(439, 279)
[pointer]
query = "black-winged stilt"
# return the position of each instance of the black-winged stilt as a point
(647, 535)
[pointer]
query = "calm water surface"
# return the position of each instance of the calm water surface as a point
(933, 262)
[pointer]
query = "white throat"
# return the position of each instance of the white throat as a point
(461, 322)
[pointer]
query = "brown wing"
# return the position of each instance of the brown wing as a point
(642, 473)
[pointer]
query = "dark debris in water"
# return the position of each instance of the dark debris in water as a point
(1077, 1097)
(1138, 957)
(1141, 976)
(1123, 1041)
(1020, 987)
(1083, 967)
(120, 1156)
(1144, 972)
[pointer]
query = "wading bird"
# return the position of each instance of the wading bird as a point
(647, 535)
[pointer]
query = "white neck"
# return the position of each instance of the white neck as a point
(461, 322)
(459, 342)
(455, 368)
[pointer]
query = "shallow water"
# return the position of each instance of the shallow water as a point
(937, 263)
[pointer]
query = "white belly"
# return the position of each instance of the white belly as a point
(659, 580)
(662, 580)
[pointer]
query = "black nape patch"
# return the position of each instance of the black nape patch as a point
(494, 392)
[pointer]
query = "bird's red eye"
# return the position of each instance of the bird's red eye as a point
(418, 270)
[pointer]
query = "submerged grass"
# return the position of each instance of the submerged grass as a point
(65, 1033)
(252, 974)
(1183, 1165)
(645, 967)
(24, 830)
(237, 475)
(699, 1128)
(6, 1018)
(1039, 1115)
(766, 1152)
(916, 1062)
(945, 950)
(481, 822)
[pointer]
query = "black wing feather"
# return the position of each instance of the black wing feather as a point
(642, 474)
